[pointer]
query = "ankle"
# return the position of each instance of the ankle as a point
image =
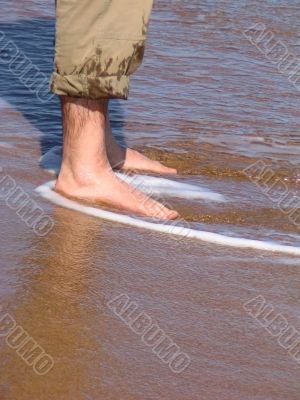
(83, 174)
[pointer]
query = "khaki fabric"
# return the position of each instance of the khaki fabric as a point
(99, 44)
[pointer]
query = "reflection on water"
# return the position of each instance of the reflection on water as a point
(209, 103)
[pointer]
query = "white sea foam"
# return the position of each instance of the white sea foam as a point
(167, 187)
(168, 228)
(4, 104)
(51, 162)
(6, 145)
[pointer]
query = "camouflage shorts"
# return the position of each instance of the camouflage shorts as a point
(99, 44)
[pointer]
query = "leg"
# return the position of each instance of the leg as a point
(99, 44)
(86, 172)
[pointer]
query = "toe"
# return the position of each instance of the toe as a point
(165, 170)
(170, 170)
(172, 214)
(167, 214)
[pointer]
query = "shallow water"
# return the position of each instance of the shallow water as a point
(208, 102)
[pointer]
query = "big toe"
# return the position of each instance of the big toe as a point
(167, 214)
(163, 169)
(168, 170)
(172, 214)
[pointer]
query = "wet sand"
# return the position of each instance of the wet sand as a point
(207, 102)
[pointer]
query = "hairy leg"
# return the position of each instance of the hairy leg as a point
(86, 172)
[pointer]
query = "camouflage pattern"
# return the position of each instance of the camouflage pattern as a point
(99, 44)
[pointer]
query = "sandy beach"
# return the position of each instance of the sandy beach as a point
(212, 103)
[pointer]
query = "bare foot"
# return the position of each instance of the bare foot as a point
(137, 161)
(106, 187)
(86, 172)
(129, 159)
